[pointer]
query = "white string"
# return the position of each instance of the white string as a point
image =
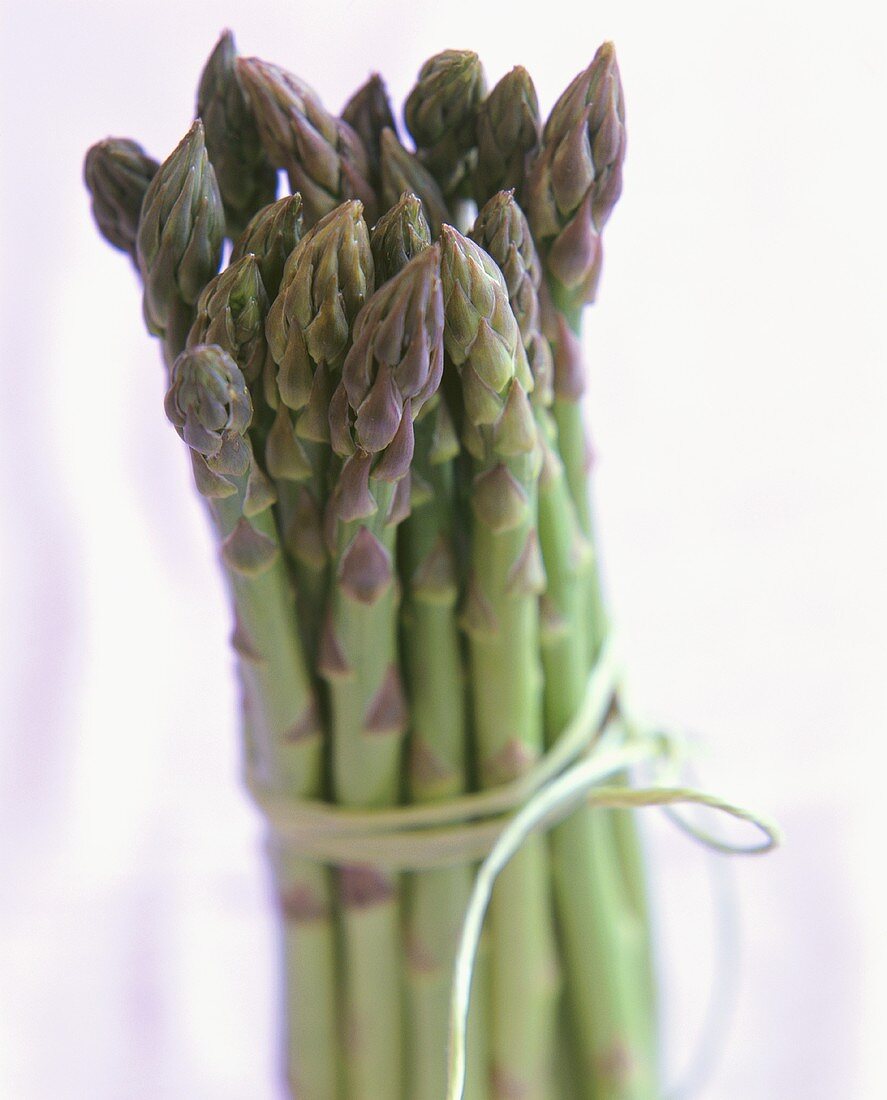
(495, 824)
(579, 784)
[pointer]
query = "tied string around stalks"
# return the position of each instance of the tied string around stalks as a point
(491, 826)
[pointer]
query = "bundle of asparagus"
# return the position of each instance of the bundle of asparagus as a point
(381, 395)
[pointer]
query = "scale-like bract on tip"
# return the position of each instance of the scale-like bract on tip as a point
(402, 171)
(271, 236)
(209, 406)
(247, 179)
(396, 361)
(179, 243)
(368, 112)
(323, 157)
(399, 236)
(327, 279)
(481, 334)
(577, 178)
(441, 115)
(501, 228)
(231, 313)
(117, 173)
(508, 128)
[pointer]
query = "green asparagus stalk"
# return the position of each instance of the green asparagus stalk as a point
(179, 240)
(437, 765)
(393, 367)
(117, 172)
(209, 405)
(501, 617)
(441, 114)
(401, 171)
(616, 829)
(437, 760)
(323, 157)
(271, 236)
(606, 975)
(327, 279)
(508, 128)
(247, 179)
(573, 187)
(368, 113)
(502, 230)
(575, 183)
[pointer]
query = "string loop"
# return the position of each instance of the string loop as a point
(598, 744)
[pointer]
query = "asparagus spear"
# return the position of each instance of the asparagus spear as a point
(440, 113)
(574, 184)
(247, 179)
(573, 188)
(507, 135)
(117, 172)
(501, 617)
(179, 240)
(323, 157)
(271, 236)
(393, 367)
(327, 279)
(209, 405)
(437, 763)
(368, 113)
(502, 230)
(606, 973)
(401, 171)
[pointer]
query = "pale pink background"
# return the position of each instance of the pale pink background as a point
(738, 406)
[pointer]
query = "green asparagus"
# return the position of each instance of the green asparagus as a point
(501, 618)
(386, 427)
(209, 405)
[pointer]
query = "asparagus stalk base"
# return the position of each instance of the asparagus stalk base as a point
(603, 912)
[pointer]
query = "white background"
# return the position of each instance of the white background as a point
(738, 408)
